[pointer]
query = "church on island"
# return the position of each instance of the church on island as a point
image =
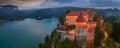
(84, 30)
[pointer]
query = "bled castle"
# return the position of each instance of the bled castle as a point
(84, 30)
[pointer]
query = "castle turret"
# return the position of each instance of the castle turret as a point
(81, 31)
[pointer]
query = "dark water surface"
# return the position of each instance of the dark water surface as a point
(27, 33)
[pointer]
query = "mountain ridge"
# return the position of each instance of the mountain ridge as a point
(6, 12)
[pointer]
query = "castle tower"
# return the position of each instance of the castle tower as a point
(81, 31)
(85, 15)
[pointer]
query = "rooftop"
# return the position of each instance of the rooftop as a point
(73, 13)
(81, 18)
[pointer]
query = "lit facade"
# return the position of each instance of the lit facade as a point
(84, 31)
(83, 34)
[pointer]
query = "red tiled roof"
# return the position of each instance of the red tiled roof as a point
(81, 18)
(76, 13)
(81, 14)
(84, 13)
(73, 13)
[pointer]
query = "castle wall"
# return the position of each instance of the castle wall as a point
(84, 31)
(90, 30)
(70, 20)
(79, 24)
(81, 36)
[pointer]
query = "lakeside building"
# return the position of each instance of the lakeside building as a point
(84, 30)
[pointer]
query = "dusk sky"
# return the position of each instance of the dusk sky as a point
(34, 4)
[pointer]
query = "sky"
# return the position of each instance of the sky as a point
(35, 4)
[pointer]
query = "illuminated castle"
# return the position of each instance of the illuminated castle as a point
(84, 30)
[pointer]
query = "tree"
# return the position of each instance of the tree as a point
(110, 43)
(46, 38)
(95, 17)
(71, 27)
(108, 27)
(67, 11)
(99, 35)
(68, 44)
(61, 19)
(116, 32)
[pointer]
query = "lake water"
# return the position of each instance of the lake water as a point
(27, 33)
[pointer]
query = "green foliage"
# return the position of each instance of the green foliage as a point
(116, 31)
(40, 46)
(61, 19)
(54, 41)
(68, 44)
(50, 40)
(110, 43)
(108, 27)
(46, 38)
(71, 27)
(99, 35)
(67, 11)
(95, 17)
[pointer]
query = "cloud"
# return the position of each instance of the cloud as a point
(65, 3)
(33, 4)
(105, 3)
(29, 4)
(4, 2)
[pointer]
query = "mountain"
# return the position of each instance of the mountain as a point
(108, 14)
(10, 11)
(53, 12)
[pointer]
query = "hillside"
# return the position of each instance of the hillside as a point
(10, 11)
